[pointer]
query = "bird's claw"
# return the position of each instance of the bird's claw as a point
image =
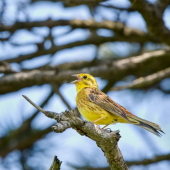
(97, 126)
(108, 130)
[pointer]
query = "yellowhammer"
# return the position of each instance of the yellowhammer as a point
(95, 106)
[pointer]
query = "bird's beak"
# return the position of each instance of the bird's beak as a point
(75, 81)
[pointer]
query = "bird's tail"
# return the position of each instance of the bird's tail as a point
(151, 127)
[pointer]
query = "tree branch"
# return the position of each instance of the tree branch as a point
(89, 168)
(142, 65)
(56, 90)
(68, 66)
(149, 161)
(26, 141)
(107, 141)
(162, 4)
(118, 8)
(75, 23)
(153, 18)
(143, 162)
(146, 82)
(56, 164)
(25, 133)
(74, 2)
(6, 68)
(128, 36)
(162, 90)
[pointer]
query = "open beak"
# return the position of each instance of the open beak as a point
(75, 81)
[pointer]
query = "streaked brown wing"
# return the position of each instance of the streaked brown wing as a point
(105, 102)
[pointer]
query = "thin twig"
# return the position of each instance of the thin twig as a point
(145, 82)
(56, 90)
(42, 105)
(39, 108)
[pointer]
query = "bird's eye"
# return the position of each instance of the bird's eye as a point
(84, 77)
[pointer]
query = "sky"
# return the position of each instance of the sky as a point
(69, 146)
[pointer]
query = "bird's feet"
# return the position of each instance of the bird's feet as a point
(107, 129)
(97, 126)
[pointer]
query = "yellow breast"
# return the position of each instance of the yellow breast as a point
(91, 112)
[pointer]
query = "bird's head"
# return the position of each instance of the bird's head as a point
(84, 80)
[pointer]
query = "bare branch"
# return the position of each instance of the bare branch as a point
(124, 34)
(118, 8)
(142, 65)
(6, 68)
(153, 17)
(89, 168)
(56, 90)
(4, 39)
(37, 107)
(144, 162)
(108, 86)
(94, 39)
(42, 105)
(26, 140)
(145, 82)
(162, 90)
(107, 141)
(68, 66)
(149, 161)
(75, 23)
(56, 164)
(22, 133)
(74, 2)
(162, 4)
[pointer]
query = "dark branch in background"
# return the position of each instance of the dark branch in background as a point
(146, 82)
(4, 39)
(26, 141)
(149, 161)
(93, 39)
(143, 162)
(89, 168)
(153, 18)
(124, 33)
(74, 2)
(25, 133)
(149, 141)
(6, 68)
(56, 90)
(163, 90)
(142, 65)
(162, 5)
(68, 66)
(83, 1)
(118, 8)
(107, 141)
(153, 55)
(108, 86)
(75, 23)
(56, 164)
(42, 105)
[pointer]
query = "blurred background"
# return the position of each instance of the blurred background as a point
(43, 42)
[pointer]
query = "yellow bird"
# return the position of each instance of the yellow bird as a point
(95, 106)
